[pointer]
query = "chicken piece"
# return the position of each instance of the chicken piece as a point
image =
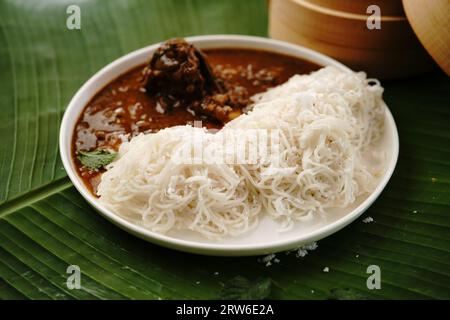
(179, 75)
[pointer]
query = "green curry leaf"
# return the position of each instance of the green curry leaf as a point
(96, 159)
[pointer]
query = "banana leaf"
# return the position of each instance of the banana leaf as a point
(46, 226)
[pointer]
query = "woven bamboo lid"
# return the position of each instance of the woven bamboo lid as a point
(430, 21)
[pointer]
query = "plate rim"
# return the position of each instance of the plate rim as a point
(215, 249)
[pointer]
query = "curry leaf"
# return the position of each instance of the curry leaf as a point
(240, 288)
(96, 159)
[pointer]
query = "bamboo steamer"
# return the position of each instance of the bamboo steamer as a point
(430, 21)
(390, 52)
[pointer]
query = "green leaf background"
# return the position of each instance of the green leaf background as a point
(45, 225)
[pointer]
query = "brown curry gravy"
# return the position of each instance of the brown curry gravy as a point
(123, 106)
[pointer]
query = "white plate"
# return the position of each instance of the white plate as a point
(265, 239)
